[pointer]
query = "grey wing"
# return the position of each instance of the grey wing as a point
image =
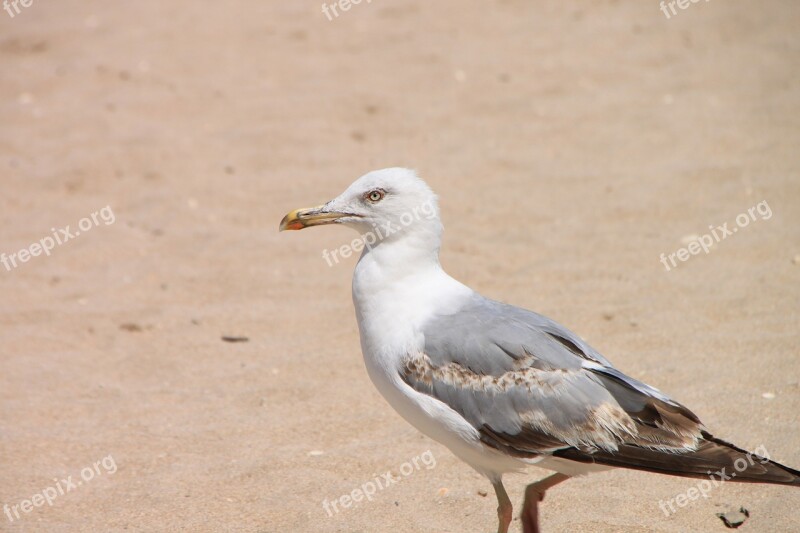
(530, 386)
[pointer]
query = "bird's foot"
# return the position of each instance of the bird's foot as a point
(504, 516)
(534, 493)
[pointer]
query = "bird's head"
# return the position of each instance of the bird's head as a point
(387, 203)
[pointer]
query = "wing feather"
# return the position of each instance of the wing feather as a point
(530, 386)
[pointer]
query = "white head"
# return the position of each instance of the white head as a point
(392, 204)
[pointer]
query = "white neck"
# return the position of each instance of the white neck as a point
(397, 285)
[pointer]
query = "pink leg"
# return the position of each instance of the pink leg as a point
(504, 510)
(534, 493)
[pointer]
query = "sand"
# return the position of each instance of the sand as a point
(571, 145)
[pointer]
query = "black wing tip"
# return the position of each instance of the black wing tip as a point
(713, 459)
(770, 472)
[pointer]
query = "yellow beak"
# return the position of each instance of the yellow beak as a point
(309, 216)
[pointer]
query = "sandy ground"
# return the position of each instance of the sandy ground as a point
(571, 145)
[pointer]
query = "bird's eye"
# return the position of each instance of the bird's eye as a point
(375, 195)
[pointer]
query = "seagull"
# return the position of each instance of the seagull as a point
(502, 387)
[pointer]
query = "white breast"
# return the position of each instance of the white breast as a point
(390, 319)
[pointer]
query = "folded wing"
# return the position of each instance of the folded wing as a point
(531, 387)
